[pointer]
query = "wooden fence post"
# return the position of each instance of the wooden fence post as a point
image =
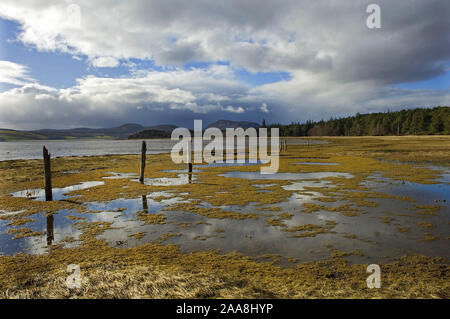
(143, 153)
(47, 176)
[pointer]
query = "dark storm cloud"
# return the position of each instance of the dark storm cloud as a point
(412, 45)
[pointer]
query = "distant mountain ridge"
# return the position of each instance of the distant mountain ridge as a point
(151, 134)
(418, 121)
(129, 130)
(164, 131)
(120, 132)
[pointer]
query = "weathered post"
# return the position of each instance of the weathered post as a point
(285, 145)
(47, 176)
(143, 152)
(189, 156)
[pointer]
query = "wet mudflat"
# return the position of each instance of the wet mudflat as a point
(331, 209)
(388, 228)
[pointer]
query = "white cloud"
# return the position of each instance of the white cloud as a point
(234, 109)
(264, 108)
(105, 62)
(13, 73)
(113, 99)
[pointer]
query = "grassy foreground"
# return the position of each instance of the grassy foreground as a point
(154, 271)
(162, 271)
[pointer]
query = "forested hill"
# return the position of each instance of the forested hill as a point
(421, 121)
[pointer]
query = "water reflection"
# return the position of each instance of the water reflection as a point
(234, 163)
(370, 231)
(58, 193)
(144, 203)
(53, 227)
(50, 235)
(285, 176)
(115, 175)
(8, 213)
(181, 179)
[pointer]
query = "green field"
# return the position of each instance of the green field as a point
(11, 135)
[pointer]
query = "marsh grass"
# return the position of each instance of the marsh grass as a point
(154, 271)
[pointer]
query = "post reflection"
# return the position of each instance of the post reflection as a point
(50, 236)
(144, 203)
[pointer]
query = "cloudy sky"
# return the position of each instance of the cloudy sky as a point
(107, 62)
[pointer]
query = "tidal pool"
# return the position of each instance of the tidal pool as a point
(391, 228)
(58, 193)
(115, 175)
(234, 163)
(198, 167)
(285, 176)
(181, 179)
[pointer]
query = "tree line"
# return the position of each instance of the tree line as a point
(420, 121)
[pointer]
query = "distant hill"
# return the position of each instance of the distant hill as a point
(224, 124)
(165, 131)
(130, 130)
(120, 132)
(150, 134)
(164, 127)
(9, 135)
(157, 131)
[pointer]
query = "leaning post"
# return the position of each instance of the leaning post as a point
(143, 152)
(47, 176)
